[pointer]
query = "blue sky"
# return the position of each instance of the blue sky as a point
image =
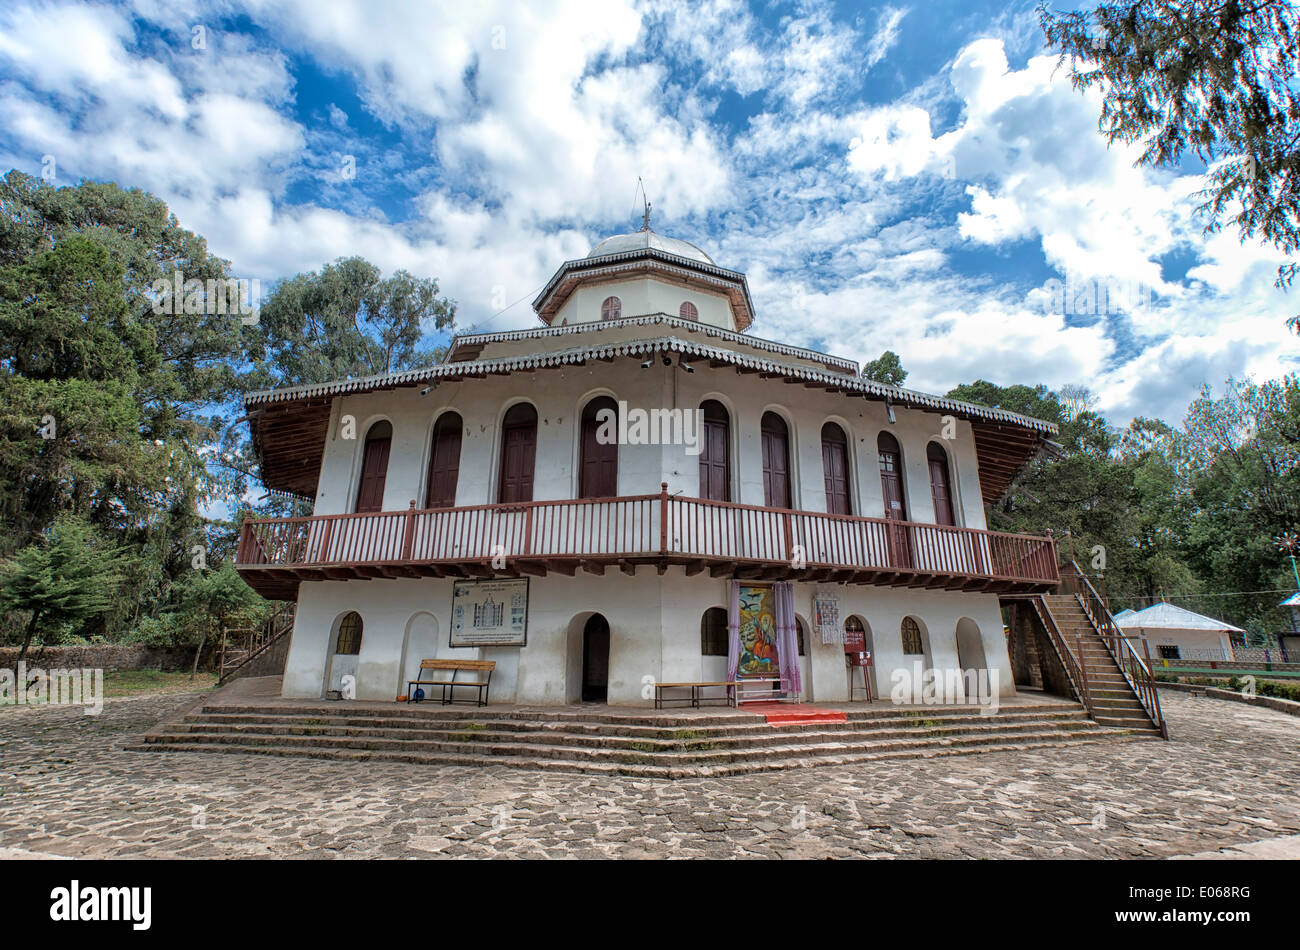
(901, 176)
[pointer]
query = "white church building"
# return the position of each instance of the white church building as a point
(636, 491)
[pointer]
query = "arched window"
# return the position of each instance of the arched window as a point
(713, 632)
(776, 461)
(518, 454)
(940, 491)
(687, 311)
(444, 462)
(598, 462)
(374, 467)
(891, 485)
(349, 641)
(611, 308)
(912, 642)
(715, 449)
(835, 466)
(855, 635)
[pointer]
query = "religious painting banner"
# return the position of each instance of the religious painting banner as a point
(490, 613)
(757, 627)
(826, 615)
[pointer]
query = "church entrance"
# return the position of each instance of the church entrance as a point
(595, 660)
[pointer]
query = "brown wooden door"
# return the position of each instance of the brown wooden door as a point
(518, 454)
(835, 465)
(374, 467)
(891, 485)
(940, 492)
(776, 461)
(598, 465)
(715, 448)
(444, 462)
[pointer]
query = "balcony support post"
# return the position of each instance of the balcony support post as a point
(663, 518)
(408, 536)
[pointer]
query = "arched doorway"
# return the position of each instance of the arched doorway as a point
(598, 461)
(776, 461)
(835, 468)
(891, 486)
(595, 660)
(715, 452)
(444, 462)
(345, 648)
(419, 643)
(970, 655)
(518, 454)
(940, 489)
(857, 639)
(374, 467)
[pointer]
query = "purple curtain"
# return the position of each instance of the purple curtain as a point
(733, 632)
(787, 639)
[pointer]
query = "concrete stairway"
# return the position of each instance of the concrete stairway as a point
(1114, 703)
(654, 746)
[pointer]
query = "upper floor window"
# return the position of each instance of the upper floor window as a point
(374, 467)
(688, 311)
(776, 461)
(940, 490)
(518, 454)
(715, 452)
(598, 459)
(611, 309)
(835, 467)
(444, 462)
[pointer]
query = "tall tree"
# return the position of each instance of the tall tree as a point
(1216, 78)
(887, 369)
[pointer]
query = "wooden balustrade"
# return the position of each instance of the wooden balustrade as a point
(643, 527)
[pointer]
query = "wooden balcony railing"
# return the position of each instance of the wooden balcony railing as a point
(650, 528)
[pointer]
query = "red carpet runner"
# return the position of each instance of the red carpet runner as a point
(794, 714)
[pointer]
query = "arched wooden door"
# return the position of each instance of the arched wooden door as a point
(444, 462)
(776, 461)
(715, 448)
(518, 454)
(835, 466)
(891, 486)
(940, 490)
(598, 465)
(374, 467)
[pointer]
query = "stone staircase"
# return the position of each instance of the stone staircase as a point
(612, 743)
(1113, 700)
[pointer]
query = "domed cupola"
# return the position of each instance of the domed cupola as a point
(643, 273)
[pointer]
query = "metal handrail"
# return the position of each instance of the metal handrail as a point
(1077, 671)
(1136, 672)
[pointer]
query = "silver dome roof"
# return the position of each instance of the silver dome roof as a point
(644, 239)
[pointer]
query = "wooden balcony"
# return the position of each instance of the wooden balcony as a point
(725, 539)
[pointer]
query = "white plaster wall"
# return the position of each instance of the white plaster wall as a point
(644, 295)
(1185, 640)
(654, 634)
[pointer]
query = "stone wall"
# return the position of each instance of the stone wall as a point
(270, 662)
(108, 657)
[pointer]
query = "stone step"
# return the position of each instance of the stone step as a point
(743, 728)
(1023, 742)
(441, 739)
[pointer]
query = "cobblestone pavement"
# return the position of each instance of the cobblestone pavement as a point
(1229, 777)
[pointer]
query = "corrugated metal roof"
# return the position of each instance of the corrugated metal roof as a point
(1164, 616)
(641, 348)
(1292, 601)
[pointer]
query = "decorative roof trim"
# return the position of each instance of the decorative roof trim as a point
(650, 319)
(612, 263)
(854, 385)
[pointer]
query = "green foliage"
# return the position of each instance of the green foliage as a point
(887, 369)
(346, 320)
(1207, 77)
(67, 580)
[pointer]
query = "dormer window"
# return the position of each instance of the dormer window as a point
(611, 309)
(688, 311)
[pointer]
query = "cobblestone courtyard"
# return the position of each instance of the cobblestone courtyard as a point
(1230, 776)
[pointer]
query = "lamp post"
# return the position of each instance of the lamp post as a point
(1290, 544)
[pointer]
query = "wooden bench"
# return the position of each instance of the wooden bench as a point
(695, 699)
(449, 686)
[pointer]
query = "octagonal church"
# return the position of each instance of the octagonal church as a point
(638, 491)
